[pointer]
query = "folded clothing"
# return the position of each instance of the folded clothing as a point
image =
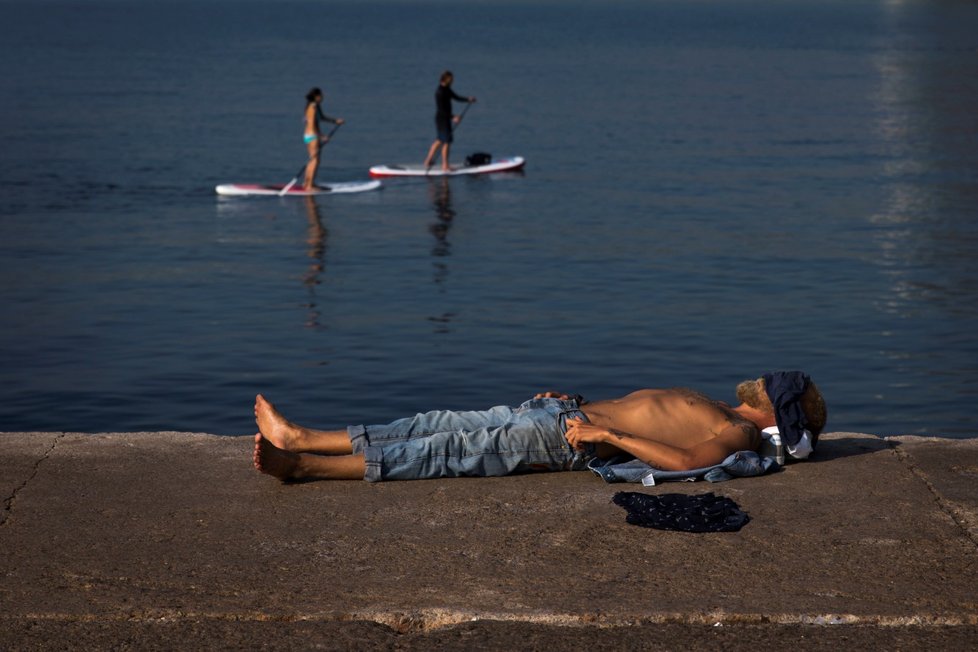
(697, 513)
(624, 468)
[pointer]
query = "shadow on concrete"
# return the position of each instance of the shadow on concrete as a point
(842, 447)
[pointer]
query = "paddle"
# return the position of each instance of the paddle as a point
(302, 170)
(462, 115)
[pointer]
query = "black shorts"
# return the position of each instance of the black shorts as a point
(444, 129)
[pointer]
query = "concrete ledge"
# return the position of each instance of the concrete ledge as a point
(141, 539)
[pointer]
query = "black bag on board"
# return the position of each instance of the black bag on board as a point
(478, 158)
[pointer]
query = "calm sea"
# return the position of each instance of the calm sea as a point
(714, 188)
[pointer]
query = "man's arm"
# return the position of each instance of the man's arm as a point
(736, 437)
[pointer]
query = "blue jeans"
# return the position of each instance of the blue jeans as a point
(498, 441)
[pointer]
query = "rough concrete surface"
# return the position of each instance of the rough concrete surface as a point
(171, 540)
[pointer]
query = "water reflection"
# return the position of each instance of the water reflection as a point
(316, 235)
(923, 230)
(440, 193)
(894, 232)
(925, 122)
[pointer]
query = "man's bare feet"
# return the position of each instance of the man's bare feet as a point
(289, 465)
(274, 461)
(281, 432)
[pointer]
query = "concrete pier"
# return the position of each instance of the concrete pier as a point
(171, 540)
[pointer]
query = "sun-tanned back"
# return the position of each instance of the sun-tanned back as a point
(679, 416)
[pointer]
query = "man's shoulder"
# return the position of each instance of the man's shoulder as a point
(741, 434)
(738, 432)
(698, 398)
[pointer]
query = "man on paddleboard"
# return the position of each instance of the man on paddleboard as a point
(444, 120)
(668, 429)
(312, 136)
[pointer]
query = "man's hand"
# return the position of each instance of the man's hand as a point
(580, 433)
(560, 395)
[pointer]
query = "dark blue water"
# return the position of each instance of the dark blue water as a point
(714, 188)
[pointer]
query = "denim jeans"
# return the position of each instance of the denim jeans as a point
(498, 441)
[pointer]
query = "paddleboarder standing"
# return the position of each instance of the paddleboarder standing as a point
(444, 120)
(312, 136)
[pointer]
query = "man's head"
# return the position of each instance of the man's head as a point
(755, 394)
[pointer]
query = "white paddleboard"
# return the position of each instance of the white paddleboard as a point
(503, 164)
(271, 190)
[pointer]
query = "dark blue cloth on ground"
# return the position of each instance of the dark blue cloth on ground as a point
(698, 513)
(785, 389)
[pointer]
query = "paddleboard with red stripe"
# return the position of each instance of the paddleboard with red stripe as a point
(501, 164)
(271, 190)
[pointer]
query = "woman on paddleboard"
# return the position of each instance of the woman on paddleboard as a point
(444, 119)
(312, 136)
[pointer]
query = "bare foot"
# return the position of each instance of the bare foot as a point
(281, 432)
(274, 461)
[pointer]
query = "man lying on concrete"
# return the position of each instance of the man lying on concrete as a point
(670, 429)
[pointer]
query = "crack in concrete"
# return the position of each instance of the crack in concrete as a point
(944, 505)
(8, 502)
(425, 621)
